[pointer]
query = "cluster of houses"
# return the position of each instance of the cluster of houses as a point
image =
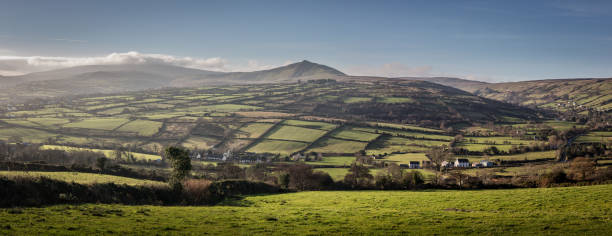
(244, 158)
(458, 163)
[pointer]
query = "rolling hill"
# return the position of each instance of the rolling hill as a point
(121, 78)
(555, 94)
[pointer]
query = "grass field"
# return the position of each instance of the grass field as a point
(198, 142)
(352, 134)
(404, 126)
(499, 140)
(395, 100)
(332, 145)
(596, 137)
(529, 156)
(311, 124)
(142, 127)
(336, 173)
(82, 178)
(25, 134)
(548, 211)
(295, 133)
(407, 158)
(107, 153)
(254, 130)
(476, 147)
(277, 146)
(98, 123)
(357, 99)
(334, 161)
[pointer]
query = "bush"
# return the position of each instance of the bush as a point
(197, 191)
(557, 176)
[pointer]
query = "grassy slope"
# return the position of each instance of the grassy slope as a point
(514, 212)
(593, 93)
(82, 178)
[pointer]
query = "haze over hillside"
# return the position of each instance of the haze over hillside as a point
(132, 77)
(91, 79)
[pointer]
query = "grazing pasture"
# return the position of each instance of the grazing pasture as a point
(142, 127)
(406, 158)
(294, 133)
(552, 211)
(98, 123)
(333, 145)
(277, 146)
(355, 134)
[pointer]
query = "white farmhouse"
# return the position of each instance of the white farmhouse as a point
(462, 163)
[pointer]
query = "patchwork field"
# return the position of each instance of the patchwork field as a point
(553, 211)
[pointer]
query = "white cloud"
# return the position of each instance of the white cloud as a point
(16, 65)
(391, 70)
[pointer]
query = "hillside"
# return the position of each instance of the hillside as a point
(121, 78)
(260, 118)
(556, 94)
(462, 84)
(561, 94)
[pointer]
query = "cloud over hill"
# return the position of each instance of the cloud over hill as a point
(18, 65)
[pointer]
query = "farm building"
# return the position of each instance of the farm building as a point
(486, 163)
(446, 164)
(414, 165)
(462, 163)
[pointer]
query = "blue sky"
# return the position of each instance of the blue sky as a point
(484, 40)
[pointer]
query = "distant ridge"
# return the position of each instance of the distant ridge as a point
(132, 77)
(462, 84)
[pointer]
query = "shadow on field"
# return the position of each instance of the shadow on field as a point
(238, 201)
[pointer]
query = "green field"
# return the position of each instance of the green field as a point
(107, 153)
(82, 178)
(596, 137)
(406, 158)
(277, 146)
(476, 147)
(294, 133)
(311, 124)
(529, 156)
(334, 161)
(24, 134)
(550, 211)
(198, 142)
(353, 134)
(254, 130)
(395, 100)
(332, 145)
(357, 99)
(98, 123)
(142, 127)
(405, 126)
(336, 173)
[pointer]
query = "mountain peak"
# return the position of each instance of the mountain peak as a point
(305, 68)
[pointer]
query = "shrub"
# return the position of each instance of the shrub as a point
(197, 191)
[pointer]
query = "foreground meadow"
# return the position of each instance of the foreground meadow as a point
(571, 210)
